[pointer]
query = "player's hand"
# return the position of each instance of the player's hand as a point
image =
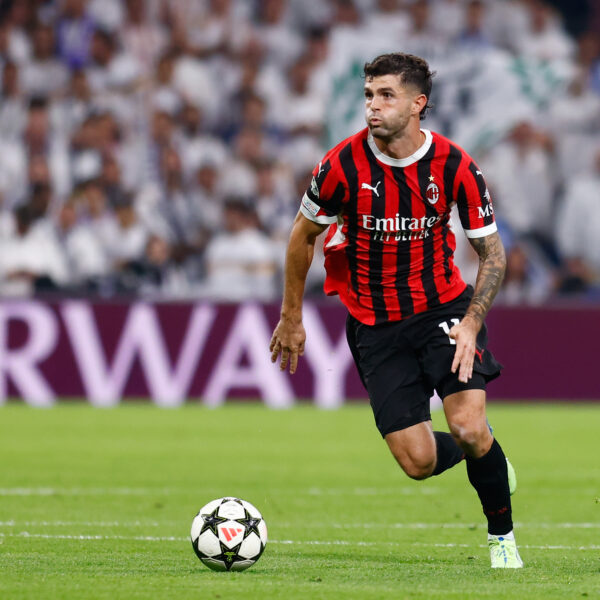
(465, 336)
(288, 340)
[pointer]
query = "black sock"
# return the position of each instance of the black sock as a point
(448, 452)
(489, 477)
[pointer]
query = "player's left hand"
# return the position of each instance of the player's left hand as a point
(465, 336)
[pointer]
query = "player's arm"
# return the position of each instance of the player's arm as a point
(289, 335)
(492, 265)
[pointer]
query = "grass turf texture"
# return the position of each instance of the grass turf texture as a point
(81, 488)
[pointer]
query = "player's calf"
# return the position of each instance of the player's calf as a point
(414, 449)
(418, 469)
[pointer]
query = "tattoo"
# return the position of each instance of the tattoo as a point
(492, 265)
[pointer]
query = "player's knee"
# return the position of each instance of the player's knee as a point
(473, 438)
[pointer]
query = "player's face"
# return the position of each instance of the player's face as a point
(390, 105)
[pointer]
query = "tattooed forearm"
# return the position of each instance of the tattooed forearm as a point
(492, 265)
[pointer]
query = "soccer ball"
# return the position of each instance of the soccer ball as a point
(229, 534)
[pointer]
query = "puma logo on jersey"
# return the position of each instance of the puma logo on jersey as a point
(366, 186)
(320, 169)
(478, 173)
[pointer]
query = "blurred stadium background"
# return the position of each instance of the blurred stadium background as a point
(153, 154)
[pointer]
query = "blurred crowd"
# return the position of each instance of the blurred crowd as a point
(161, 147)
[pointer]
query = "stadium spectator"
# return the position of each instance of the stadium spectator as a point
(15, 38)
(142, 39)
(521, 178)
(208, 196)
(127, 234)
(31, 259)
(111, 69)
(163, 96)
(12, 107)
(528, 278)
(449, 18)
(98, 216)
(423, 36)
(574, 121)
(578, 224)
(588, 59)
(74, 28)
(474, 34)
(275, 203)
(281, 43)
(167, 210)
(544, 38)
(45, 74)
(388, 21)
(86, 259)
(240, 261)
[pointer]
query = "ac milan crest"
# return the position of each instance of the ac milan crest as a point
(433, 193)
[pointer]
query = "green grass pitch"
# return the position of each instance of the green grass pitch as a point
(98, 504)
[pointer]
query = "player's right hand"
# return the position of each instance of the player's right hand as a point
(288, 340)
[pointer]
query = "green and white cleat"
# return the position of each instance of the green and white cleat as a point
(503, 552)
(512, 478)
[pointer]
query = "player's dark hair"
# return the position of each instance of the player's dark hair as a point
(413, 70)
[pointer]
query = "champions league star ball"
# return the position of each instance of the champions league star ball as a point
(229, 534)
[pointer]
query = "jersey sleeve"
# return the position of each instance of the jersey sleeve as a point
(322, 201)
(474, 202)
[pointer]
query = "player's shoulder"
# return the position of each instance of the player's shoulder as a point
(356, 138)
(445, 147)
(454, 157)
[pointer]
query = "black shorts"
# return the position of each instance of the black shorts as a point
(401, 362)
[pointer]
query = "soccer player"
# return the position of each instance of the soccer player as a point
(385, 194)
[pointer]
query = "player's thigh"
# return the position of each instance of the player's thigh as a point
(466, 416)
(392, 374)
(414, 448)
(437, 349)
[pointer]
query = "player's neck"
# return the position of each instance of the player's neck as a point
(402, 146)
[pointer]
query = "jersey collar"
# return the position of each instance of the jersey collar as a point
(401, 162)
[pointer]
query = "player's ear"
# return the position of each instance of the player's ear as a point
(419, 103)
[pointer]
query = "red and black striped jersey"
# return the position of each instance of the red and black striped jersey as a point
(389, 249)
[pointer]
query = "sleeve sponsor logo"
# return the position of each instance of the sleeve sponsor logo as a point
(311, 206)
(488, 211)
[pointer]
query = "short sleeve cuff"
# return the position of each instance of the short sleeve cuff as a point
(482, 231)
(311, 211)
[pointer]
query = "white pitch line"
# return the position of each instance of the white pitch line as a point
(129, 491)
(53, 536)
(148, 538)
(48, 491)
(374, 491)
(519, 525)
(13, 523)
(459, 525)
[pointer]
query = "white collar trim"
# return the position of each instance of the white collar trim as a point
(401, 162)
